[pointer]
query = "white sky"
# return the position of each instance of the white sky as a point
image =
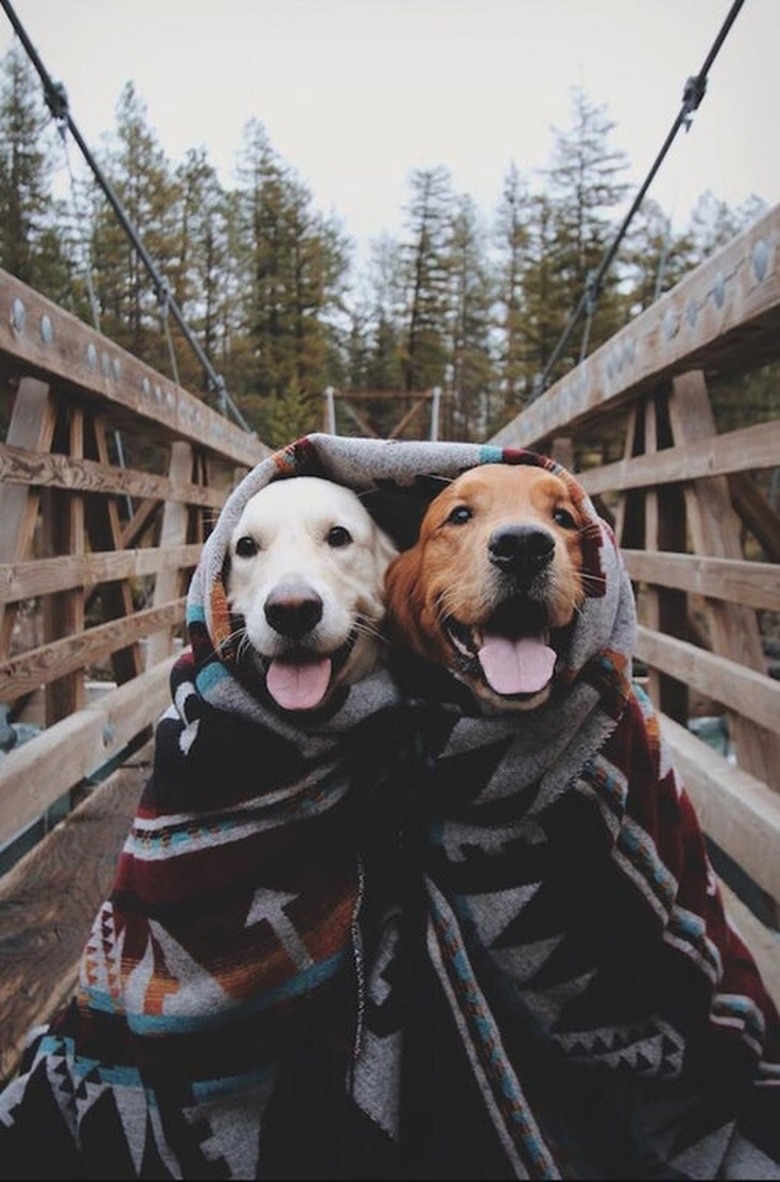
(354, 94)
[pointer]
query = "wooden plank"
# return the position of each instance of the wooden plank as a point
(26, 672)
(50, 898)
(751, 448)
(744, 690)
(382, 395)
(42, 337)
(625, 517)
(724, 317)
(405, 420)
(19, 466)
(32, 425)
(173, 532)
(763, 943)
(664, 610)
(756, 512)
(715, 529)
(739, 812)
(26, 580)
(105, 532)
(62, 532)
(755, 584)
(34, 776)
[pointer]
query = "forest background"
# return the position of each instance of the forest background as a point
(469, 303)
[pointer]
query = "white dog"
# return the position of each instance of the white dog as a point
(306, 576)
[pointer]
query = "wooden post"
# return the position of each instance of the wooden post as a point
(62, 530)
(105, 532)
(330, 411)
(664, 610)
(167, 584)
(31, 427)
(715, 530)
(435, 409)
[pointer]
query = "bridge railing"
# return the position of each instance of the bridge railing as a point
(695, 510)
(110, 475)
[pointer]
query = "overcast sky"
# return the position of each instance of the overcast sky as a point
(354, 94)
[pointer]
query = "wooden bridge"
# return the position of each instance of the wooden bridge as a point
(101, 544)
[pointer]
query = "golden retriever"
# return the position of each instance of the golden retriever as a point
(305, 581)
(493, 576)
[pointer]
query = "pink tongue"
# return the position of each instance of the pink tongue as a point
(522, 666)
(298, 685)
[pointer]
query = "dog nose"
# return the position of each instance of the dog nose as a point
(521, 550)
(293, 609)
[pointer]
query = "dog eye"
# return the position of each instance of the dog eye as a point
(246, 547)
(564, 519)
(460, 515)
(338, 537)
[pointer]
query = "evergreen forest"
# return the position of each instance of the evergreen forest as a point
(467, 302)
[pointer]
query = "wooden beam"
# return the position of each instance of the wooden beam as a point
(749, 693)
(173, 532)
(38, 336)
(19, 466)
(763, 943)
(756, 512)
(755, 584)
(63, 532)
(42, 576)
(33, 419)
(751, 448)
(24, 673)
(739, 812)
(714, 528)
(33, 777)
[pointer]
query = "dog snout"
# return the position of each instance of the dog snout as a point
(293, 609)
(521, 550)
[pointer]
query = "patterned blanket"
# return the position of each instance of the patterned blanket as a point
(406, 940)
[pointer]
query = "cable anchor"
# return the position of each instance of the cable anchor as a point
(693, 92)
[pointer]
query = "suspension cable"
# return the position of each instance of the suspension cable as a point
(693, 93)
(81, 229)
(57, 102)
(80, 222)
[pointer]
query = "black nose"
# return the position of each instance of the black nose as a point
(521, 550)
(292, 609)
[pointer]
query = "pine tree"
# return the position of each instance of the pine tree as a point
(653, 258)
(544, 313)
(387, 299)
(584, 189)
(202, 276)
(32, 245)
(472, 409)
(426, 254)
(132, 312)
(292, 262)
(513, 238)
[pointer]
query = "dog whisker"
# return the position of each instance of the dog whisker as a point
(370, 628)
(595, 582)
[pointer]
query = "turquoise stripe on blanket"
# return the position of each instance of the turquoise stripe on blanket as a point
(158, 1024)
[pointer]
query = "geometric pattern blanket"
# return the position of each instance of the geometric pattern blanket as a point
(403, 939)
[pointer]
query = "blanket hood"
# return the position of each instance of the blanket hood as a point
(396, 480)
